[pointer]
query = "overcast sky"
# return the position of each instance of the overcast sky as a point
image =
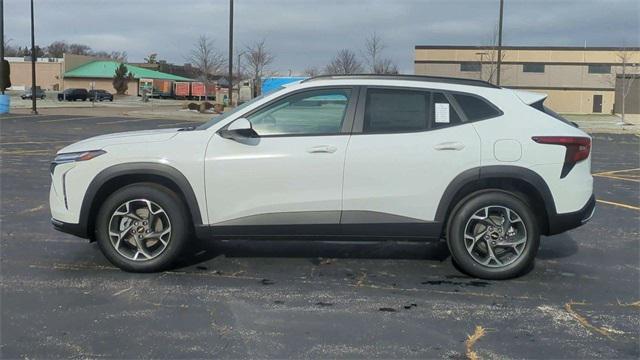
(304, 33)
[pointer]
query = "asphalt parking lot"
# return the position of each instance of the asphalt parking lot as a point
(265, 299)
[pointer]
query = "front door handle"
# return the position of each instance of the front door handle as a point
(449, 145)
(322, 149)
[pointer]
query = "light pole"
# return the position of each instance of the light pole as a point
(500, 42)
(239, 73)
(230, 52)
(34, 58)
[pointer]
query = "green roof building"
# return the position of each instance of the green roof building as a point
(99, 74)
(104, 69)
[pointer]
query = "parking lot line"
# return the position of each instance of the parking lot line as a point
(619, 174)
(615, 171)
(19, 117)
(67, 119)
(33, 142)
(121, 121)
(619, 204)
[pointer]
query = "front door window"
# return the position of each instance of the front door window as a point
(315, 112)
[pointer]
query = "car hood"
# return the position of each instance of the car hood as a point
(99, 142)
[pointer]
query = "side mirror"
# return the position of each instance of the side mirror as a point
(238, 130)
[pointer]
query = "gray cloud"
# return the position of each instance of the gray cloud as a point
(307, 33)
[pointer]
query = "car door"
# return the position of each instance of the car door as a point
(407, 146)
(292, 173)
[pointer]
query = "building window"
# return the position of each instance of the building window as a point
(533, 68)
(470, 66)
(599, 69)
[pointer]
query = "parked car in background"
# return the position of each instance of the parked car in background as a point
(28, 94)
(100, 95)
(73, 95)
(488, 169)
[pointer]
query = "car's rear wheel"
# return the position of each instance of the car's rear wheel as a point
(493, 235)
(142, 227)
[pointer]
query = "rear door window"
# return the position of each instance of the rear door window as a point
(396, 110)
(443, 113)
(475, 108)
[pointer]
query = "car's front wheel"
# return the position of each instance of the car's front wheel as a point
(142, 227)
(493, 235)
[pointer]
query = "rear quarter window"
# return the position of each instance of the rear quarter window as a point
(476, 108)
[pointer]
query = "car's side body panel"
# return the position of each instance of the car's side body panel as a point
(405, 174)
(369, 184)
(272, 175)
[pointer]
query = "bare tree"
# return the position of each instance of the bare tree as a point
(151, 59)
(373, 49)
(258, 57)
(626, 78)
(10, 50)
(311, 71)
(345, 62)
(119, 56)
(57, 49)
(206, 59)
(385, 66)
(79, 49)
(489, 59)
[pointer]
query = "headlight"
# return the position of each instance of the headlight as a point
(75, 156)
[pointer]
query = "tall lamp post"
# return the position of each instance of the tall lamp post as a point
(230, 52)
(500, 42)
(34, 57)
(239, 74)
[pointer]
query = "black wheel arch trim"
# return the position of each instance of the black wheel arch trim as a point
(498, 172)
(136, 168)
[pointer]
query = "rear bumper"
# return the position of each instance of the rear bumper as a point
(73, 229)
(560, 223)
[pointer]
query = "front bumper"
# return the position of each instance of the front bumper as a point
(559, 223)
(73, 229)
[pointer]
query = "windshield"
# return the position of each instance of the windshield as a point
(217, 119)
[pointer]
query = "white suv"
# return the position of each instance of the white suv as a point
(365, 157)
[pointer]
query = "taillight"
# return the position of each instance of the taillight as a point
(578, 149)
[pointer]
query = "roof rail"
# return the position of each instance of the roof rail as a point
(440, 79)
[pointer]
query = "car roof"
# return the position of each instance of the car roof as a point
(419, 78)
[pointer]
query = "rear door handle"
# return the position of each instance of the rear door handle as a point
(449, 145)
(322, 149)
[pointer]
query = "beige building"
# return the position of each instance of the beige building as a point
(48, 73)
(79, 71)
(577, 79)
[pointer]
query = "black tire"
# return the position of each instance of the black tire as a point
(469, 206)
(175, 210)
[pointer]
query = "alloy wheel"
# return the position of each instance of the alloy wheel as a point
(495, 236)
(140, 230)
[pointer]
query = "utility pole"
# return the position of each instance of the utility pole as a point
(34, 58)
(500, 42)
(230, 52)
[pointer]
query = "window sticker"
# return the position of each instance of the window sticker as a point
(442, 113)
